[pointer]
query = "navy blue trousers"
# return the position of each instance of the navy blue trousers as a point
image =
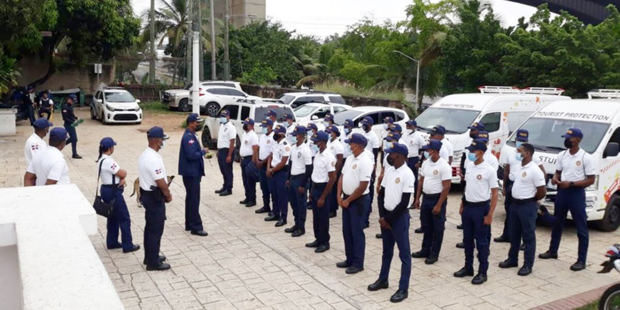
(225, 169)
(320, 216)
(279, 195)
(371, 196)
(411, 162)
(45, 111)
(332, 196)
(298, 200)
(433, 226)
(353, 219)
(399, 234)
(119, 219)
(249, 182)
(573, 200)
(72, 138)
(523, 224)
(474, 229)
(30, 111)
(507, 205)
(264, 186)
(155, 216)
(192, 203)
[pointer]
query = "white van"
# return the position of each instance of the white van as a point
(501, 109)
(599, 120)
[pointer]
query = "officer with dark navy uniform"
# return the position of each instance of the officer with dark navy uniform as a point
(69, 118)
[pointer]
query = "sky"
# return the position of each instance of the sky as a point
(322, 18)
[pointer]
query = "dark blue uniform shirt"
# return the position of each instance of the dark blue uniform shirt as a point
(67, 114)
(191, 163)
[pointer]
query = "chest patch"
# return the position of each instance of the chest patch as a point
(479, 177)
(435, 172)
(578, 163)
(397, 180)
(245, 142)
(299, 155)
(524, 174)
(354, 166)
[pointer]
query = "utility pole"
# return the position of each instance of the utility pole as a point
(188, 47)
(200, 47)
(417, 79)
(213, 50)
(153, 53)
(226, 43)
(195, 78)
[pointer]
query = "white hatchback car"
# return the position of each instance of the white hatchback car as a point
(315, 112)
(378, 114)
(115, 105)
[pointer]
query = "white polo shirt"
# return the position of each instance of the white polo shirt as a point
(396, 182)
(529, 178)
(507, 157)
(575, 167)
(446, 150)
(347, 147)
(414, 141)
(227, 132)
(480, 179)
(289, 129)
(300, 157)
(356, 169)
(434, 174)
(265, 145)
(336, 147)
(33, 145)
(373, 140)
(49, 164)
(150, 168)
(324, 163)
(280, 150)
(249, 139)
(108, 169)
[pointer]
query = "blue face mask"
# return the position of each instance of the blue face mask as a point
(315, 148)
(223, 120)
(427, 155)
(292, 139)
(472, 156)
(347, 130)
(387, 145)
(518, 144)
(285, 124)
(518, 156)
(260, 130)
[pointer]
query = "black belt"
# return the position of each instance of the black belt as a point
(246, 157)
(223, 149)
(522, 201)
(431, 196)
(476, 204)
(109, 185)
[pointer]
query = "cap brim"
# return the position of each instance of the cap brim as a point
(347, 141)
(469, 148)
(165, 137)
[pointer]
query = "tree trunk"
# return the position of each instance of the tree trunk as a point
(51, 65)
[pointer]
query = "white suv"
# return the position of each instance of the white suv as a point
(115, 105)
(298, 99)
(179, 99)
(212, 98)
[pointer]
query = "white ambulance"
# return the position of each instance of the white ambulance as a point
(599, 119)
(500, 108)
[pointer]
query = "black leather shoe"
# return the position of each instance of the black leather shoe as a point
(298, 232)
(313, 244)
(219, 190)
(578, 266)
(460, 245)
(522, 247)
(250, 204)
(419, 254)
(479, 279)
(501, 239)
(419, 230)
(291, 229)
(548, 255)
(271, 218)
(201, 233)
(262, 210)
(508, 264)
(399, 296)
(379, 236)
(161, 266)
(524, 271)
(459, 226)
(226, 193)
(133, 249)
(379, 284)
(160, 259)
(463, 273)
(280, 223)
(322, 248)
(353, 270)
(430, 260)
(243, 202)
(343, 264)
(76, 156)
(332, 214)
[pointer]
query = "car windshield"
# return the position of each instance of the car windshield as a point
(281, 111)
(546, 133)
(340, 117)
(119, 97)
(287, 99)
(454, 120)
(304, 110)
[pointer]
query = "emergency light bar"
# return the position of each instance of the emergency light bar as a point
(604, 93)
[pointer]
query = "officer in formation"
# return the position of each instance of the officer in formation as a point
(336, 147)
(226, 137)
(192, 169)
(154, 194)
(312, 129)
(347, 128)
(388, 123)
(249, 152)
(35, 142)
(301, 169)
(527, 189)
(328, 121)
(474, 129)
(323, 180)
(575, 170)
(265, 144)
(373, 146)
(69, 119)
(46, 105)
(353, 197)
(112, 179)
(414, 141)
(277, 174)
(48, 166)
(477, 207)
(397, 187)
(28, 101)
(389, 140)
(289, 123)
(273, 116)
(447, 150)
(433, 187)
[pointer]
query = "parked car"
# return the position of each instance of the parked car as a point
(378, 114)
(179, 98)
(314, 112)
(115, 105)
(212, 98)
(300, 98)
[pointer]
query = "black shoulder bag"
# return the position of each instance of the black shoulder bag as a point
(102, 208)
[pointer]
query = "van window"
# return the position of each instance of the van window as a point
(387, 114)
(321, 112)
(399, 116)
(245, 112)
(616, 136)
(336, 99)
(491, 121)
(375, 118)
(338, 109)
(454, 120)
(517, 118)
(306, 99)
(260, 113)
(233, 109)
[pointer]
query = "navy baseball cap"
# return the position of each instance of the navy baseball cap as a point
(224, 113)
(483, 135)
(58, 134)
(388, 119)
(329, 117)
(573, 133)
(72, 97)
(312, 126)
(332, 128)
(299, 130)
(522, 135)
(248, 121)
(367, 120)
(348, 123)
(320, 136)
(266, 123)
(476, 126)
(357, 138)
(477, 145)
(279, 129)
(194, 117)
(156, 132)
(412, 122)
(396, 127)
(438, 130)
(107, 143)
(42, 123)
(271, 113)
(289, 116)
(433, 144)
(392, 136)
(398, 149)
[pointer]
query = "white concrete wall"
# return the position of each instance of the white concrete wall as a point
(10, 282)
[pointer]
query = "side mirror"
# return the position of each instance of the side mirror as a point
(137, 100)
(612, 150)
(314, 117)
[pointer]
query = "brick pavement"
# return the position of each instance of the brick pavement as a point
(246, 263)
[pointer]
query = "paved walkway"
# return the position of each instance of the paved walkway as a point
(246, 263)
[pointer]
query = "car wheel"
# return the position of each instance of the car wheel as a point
(611, 219)
(92, 113)
(212, 108)
(184, 105)
(206, 139)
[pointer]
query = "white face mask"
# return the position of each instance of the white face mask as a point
(223, 120)
(163, 144)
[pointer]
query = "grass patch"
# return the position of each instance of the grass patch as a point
(349, 90)
(592, 306)
(155, 106)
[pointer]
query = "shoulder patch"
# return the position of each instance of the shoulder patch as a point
(191, 141)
